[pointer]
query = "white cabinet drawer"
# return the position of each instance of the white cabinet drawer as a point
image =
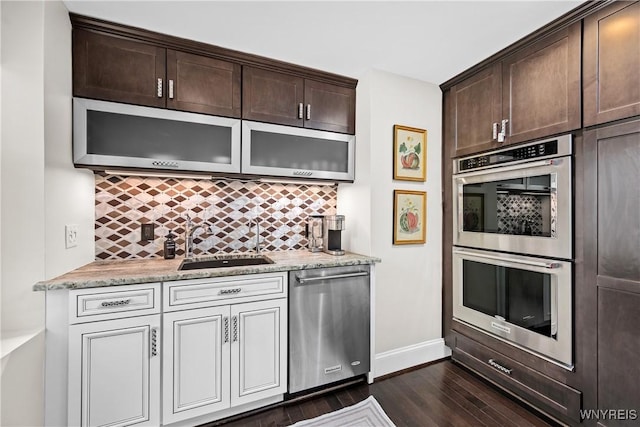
(89, 305)
(187, 294)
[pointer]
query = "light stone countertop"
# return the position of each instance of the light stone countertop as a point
(129, 272)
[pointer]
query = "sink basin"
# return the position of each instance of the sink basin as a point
(224, 261)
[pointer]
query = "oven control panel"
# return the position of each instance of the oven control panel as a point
(526, 152)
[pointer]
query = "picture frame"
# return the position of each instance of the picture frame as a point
(473, 212)
(409, 217)
(409, 153)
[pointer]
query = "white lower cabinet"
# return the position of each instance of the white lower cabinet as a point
(183, 352)
(114, 372)
(196, 363)
(224, 346)
(221, 357)
(259, 351)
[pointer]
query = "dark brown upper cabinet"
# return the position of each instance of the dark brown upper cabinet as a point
(532, 93)
(121, 70)
(612, 63)
(117, 69)
(541, 87)
(476, 104)
(203, 85)
(275, 97)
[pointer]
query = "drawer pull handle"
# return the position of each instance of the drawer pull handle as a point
(226, 329)
(116, 303)
(230, 291)
(499, 367)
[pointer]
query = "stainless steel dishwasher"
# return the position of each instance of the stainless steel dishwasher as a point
(329, 332)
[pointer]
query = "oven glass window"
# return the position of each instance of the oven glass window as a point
(520, 297)
(515, 206)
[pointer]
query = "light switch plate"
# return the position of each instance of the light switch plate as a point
(71, 235)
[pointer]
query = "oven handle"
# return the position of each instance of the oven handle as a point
(547, 265)
(527, 165)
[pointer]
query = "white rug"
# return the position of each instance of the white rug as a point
(367, 413)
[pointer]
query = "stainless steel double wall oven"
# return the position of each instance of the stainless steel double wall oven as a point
(513, 246)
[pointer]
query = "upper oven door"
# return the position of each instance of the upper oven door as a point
(524, 208)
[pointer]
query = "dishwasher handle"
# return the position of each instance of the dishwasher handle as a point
(303, 280)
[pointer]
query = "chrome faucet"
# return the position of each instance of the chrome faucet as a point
(188, 238)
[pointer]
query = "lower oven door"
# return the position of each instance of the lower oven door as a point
(523, 300)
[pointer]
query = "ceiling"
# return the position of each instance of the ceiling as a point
(427, 40)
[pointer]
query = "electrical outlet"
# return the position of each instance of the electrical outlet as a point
(71, 235)
(147, 232)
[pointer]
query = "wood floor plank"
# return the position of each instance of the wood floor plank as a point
(402, 410)
(439, 402)
(442, 394)
(463, 399)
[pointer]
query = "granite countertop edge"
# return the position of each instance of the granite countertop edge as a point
(131, 272)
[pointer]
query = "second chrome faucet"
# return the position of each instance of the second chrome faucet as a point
(257, 242)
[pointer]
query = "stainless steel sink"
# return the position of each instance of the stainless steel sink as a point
(224, 261)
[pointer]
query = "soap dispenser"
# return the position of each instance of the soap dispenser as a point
(169, 247)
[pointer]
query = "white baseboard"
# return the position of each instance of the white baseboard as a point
(407, 357)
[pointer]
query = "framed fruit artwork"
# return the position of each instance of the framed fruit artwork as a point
(409, 217)
(409, 153)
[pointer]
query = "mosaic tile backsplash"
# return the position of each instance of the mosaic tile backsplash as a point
(515, 208)
(122, 204)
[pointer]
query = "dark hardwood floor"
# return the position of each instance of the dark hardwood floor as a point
(440, 394)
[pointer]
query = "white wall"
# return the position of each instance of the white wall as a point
(40, 189)
(22, 194)
(409, 279)
(69, 192)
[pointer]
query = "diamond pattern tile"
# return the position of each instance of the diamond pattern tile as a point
(123, 203)
(513, 208)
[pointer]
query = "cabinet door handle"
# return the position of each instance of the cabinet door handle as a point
(159, 88)
(171, 89)
(503, 131)
(300, 110)
(308, 111)
(494, 129)
(499, 367)
(154, 341)
(226, 329)
(235, 328)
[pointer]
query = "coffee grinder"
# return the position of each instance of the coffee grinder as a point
(332, 234)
